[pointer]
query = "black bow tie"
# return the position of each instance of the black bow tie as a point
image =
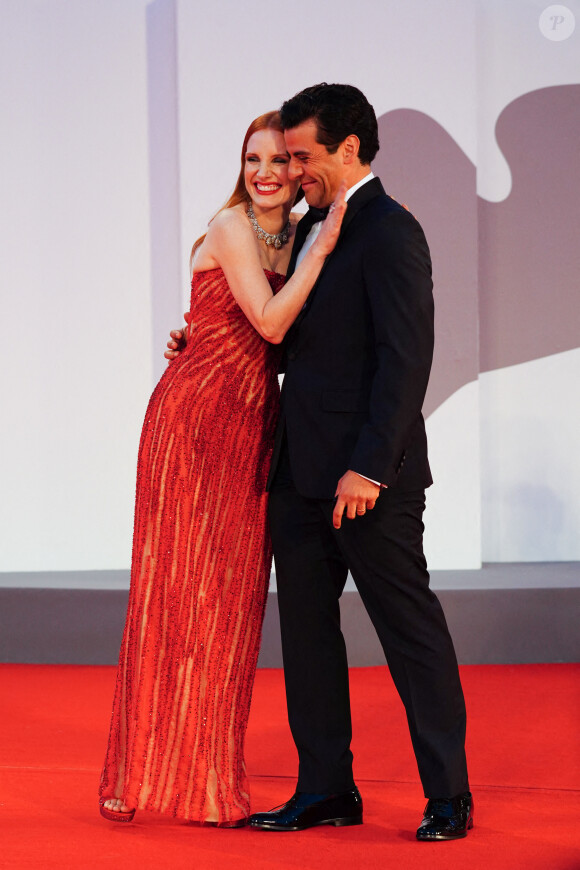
(317, 214)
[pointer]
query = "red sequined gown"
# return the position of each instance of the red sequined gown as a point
(200, 570)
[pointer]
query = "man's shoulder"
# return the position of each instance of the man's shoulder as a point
(384, 212)
(384, 203)
(372, 198)
(387, 226)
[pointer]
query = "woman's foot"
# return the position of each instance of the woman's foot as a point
(114, 810)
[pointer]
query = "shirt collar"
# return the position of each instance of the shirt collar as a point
(356, 186)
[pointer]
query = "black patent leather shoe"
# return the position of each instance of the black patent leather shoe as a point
(305, 810)
(447, 818)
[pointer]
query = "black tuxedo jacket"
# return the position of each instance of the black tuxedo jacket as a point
(358, 357)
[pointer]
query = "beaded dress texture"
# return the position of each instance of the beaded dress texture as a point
(200, 570)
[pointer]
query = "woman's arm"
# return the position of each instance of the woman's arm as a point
(232, 243)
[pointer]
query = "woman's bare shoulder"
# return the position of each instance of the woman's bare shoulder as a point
(228, 229)
(229, 226)
(230, 217)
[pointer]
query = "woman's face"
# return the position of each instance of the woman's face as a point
(266, 170)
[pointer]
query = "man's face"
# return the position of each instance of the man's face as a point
(319, 172)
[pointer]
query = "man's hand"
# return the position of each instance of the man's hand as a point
(178, 340)
(356, 494)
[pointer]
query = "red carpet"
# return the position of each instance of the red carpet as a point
(523, 750)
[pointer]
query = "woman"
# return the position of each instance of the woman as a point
(201, 551)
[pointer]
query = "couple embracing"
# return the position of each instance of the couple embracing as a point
(342, 301)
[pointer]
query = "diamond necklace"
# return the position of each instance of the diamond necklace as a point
(275, 239)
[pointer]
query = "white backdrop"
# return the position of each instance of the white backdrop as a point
(74, 278)
(78, 282)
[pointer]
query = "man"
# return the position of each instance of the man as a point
(351, 439)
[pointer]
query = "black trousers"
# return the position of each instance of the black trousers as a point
(384, 551)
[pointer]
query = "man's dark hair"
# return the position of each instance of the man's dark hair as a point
(339, 111)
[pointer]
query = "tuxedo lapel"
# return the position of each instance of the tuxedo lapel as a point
(357, 201)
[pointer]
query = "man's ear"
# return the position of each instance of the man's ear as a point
(350, 148)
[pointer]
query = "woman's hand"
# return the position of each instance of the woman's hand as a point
(328, 235)
(178, 341)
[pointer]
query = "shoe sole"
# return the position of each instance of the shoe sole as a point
(338, 823)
